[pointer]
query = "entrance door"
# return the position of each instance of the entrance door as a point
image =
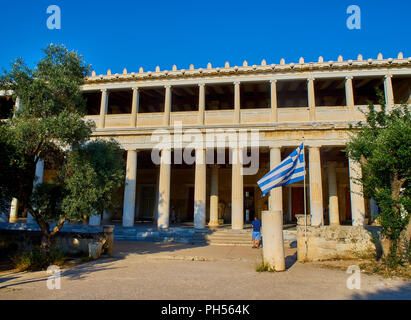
(297, 204)
(147, 202)
(249, 208)
(190, 204)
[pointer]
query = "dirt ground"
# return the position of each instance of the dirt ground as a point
(141, 270)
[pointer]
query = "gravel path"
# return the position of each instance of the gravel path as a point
(141, 270)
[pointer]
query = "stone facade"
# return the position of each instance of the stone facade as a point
(285, 104)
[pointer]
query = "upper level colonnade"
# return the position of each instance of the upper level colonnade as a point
(265, 95)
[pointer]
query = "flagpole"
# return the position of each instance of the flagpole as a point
(305, 204)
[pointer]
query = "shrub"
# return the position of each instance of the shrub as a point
(37, 259)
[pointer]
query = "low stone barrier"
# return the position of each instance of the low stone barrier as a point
(73, 243)
(336, 242)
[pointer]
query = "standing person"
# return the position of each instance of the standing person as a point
(256, 232)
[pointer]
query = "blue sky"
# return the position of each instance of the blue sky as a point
(129, 34)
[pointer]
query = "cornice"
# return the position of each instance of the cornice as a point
(301, 66)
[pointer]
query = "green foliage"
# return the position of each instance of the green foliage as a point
(382, 145)
(98, 168)
(35, 259)
(50, 126)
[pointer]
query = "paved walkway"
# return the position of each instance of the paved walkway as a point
(141, 270)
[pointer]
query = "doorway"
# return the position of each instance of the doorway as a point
(147, 203)
(297, 202)
(249, 204)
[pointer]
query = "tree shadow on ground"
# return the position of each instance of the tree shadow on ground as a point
(402, 292)
(76, 272)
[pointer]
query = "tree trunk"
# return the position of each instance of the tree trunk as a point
(45, 241)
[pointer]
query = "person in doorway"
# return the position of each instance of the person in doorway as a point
(256, 237)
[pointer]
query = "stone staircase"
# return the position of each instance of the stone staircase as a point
(218, 236)
(233, 237)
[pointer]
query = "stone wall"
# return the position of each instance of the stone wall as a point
(71, 243)
(336, 242)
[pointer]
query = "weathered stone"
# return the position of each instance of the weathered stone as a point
(336, 242)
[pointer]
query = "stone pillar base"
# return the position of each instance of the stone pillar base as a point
(273, 239)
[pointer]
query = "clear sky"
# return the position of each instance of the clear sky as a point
(129, 34)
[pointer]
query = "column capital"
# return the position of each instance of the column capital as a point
(273, 81)
(275, 147)
(314, 146)
(135, 88)
(104, 90)
(349, 77)
(310, 79)
(387, 76)
(236, 83)
(201, 84)
(167, 86)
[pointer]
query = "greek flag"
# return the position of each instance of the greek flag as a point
(290, 170)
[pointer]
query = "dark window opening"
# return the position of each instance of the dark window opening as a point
(6, 107)
(184, 98)
(93, 102)
(292, 93)
(119, 102)
(151, 100)
(255, 95)
(401, 87)
(329, 92)
(365, 90)
(219, 97)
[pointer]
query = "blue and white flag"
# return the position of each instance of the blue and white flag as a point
(290, 170)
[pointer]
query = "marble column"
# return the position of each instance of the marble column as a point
(38, 180)
(334, 214)
(273, 89)
(276, 195)
(214, 197)
(167, 106)
(103, 108)
(349, 95)
(201, 103)
(389, 95)
(237, 191)
(316, 191)
(357, 200)
(130, 189)
(311, 98)
(14, 209)
(237, 114)
(17, 106)
(134, 107)
(200, 189)
(163, 210)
